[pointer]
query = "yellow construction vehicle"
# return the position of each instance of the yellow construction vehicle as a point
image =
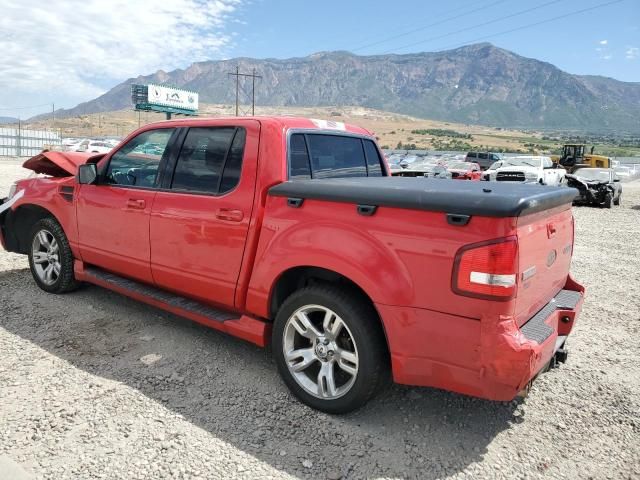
(574, 156)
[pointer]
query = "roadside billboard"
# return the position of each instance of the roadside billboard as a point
(172, 97)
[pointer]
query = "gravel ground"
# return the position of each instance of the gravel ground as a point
(77, 401)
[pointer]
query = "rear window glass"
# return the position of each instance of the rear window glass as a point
(332, 156)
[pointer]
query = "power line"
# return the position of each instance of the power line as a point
(424, 27)
(535, 24)
(489, 22)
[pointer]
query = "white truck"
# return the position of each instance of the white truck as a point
(527, 169)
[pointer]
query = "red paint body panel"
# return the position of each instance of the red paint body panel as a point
(113, 231)
(402, 259)
(198, 241)
(489, 358)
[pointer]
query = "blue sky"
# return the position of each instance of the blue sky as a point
(47, 57)
(296, 28)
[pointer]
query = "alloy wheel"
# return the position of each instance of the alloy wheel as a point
(320, 352)
(45, 253)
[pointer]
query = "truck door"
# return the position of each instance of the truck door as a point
(113, 215)
(200, 219)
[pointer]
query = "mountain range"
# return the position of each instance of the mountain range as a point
(480, 84)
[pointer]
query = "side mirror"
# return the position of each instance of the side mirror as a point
(616, 179)
(87, 174)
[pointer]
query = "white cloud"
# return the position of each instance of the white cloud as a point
(631, 53)
(603, 42)
(77, 49)
(607, 57)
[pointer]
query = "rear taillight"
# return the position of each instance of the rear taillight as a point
(487, 270)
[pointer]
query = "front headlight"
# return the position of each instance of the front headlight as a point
(12, 191)
(530, 176)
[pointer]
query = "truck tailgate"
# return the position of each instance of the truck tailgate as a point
(545, 246)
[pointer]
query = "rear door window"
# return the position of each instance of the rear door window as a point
(210, 160)
(332, 156)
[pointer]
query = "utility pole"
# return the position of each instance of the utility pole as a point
(253, 77)
(253, 92)
(53, 116)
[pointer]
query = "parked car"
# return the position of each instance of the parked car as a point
(531, 169)
(490, 173)
(464, 170)
(424, 169)
(597, 186)
(74, 144)
(82, 145)
(484, 159)
(98, 147)
(393, 161)
(291, 231)
(409, 159)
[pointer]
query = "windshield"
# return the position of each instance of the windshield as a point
(593, 174)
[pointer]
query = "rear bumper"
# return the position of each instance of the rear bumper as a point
(490, 358)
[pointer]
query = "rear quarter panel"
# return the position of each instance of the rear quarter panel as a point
(397, 256)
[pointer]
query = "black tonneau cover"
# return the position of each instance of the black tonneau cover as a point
(463, 197)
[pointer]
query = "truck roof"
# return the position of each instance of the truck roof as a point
(285, 122)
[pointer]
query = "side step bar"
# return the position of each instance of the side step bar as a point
(241, 326)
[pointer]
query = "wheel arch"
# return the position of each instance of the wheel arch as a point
(19, 223)
(295, 278)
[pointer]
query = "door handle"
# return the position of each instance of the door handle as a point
(230, 215)
(136, 204)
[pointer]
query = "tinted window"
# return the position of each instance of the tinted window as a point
(472, 155)
(233, 165)
(137, 162)
(201, 159)
(316, 155)
(373, 159)
(482, 156)
(298, 157)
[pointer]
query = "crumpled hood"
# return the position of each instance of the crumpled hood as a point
(586, 181)
(59, 164)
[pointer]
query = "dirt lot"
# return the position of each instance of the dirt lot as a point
(76, 401)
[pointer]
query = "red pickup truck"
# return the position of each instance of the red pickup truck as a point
(292, 231)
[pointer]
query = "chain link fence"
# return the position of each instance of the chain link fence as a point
(16, 141)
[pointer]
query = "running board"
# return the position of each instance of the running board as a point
(241, 326)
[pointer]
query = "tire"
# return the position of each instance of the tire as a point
(50, 257)
(607, 201)
(359, 341)
(618, 200)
